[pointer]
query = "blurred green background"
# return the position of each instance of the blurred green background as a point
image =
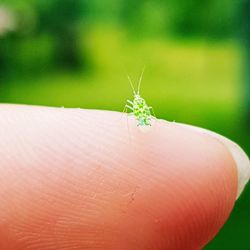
(77, 53)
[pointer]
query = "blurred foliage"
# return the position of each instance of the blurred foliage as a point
(245, 24)
(54, 27)
(76, 53)
(60, 18)
(210, 19)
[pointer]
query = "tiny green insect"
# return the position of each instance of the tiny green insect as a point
(139, 107)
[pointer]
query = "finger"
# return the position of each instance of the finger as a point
(239, 156)
(79, 179)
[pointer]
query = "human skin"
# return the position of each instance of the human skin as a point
(81, 179)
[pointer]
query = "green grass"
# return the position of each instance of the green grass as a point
(194, 82)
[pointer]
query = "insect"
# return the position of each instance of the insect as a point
(140, 109)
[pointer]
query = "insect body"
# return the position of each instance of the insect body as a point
(139, 107)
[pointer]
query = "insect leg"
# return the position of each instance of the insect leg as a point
(152, 111)
(128, 107)
(130, 102)
(153, 116)
(125, 110)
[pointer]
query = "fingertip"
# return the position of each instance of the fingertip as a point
(91, 180)
(240, 157)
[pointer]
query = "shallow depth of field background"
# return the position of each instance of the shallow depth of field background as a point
(77, 53)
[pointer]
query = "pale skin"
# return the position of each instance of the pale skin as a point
(72, 179)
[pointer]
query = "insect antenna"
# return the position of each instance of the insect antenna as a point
(139, 84)
(132, 86)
